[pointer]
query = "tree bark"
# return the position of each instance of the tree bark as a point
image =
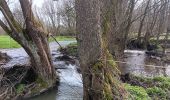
(32, 39)
(142, 21)
(100, 74)
(162, 15)
(167, 30)
(119, 25)
(150, 26)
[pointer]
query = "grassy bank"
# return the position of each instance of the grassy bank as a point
(7, 42)
(142, 88)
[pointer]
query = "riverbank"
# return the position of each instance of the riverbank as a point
(19, 59)
(144, 88)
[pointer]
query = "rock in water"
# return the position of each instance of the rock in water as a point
(4, 57)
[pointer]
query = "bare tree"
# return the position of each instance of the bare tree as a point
(162, 17)
(32, 38)
(69, 16)
(120, 25)
(51, 13)
(142, 20)
(168, 27)
(151, 17)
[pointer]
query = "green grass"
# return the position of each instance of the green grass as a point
(157, 88)
(137, 92)
(7, 42)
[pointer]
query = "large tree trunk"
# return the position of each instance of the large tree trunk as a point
(33, 39)
(100, 75)
(40, 53)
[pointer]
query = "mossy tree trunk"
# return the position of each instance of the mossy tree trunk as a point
(32, 38)
(100, 75)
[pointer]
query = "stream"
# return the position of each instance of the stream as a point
(70, 85)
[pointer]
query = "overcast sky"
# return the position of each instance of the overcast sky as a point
(38, 2)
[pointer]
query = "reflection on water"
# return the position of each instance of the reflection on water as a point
(136, 61)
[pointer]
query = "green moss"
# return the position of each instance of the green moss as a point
(20, 88)
(137, 93)
(41, 82)
(97, 66)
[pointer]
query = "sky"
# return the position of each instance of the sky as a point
(38, 3)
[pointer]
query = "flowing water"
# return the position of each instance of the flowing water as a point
(70, 86)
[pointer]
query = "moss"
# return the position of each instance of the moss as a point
(107, 95)
(98, 66)
(40, 84)
(20, 88)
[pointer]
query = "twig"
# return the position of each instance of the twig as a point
(55, 40)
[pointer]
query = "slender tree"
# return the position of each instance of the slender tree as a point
(162, 17)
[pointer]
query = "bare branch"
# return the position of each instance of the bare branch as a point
(6, 28)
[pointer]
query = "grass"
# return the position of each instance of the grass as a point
(157, 88)
(137, 92)
(7, 42)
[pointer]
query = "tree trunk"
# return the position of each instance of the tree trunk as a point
(162, 15)
(40, 52)
(142, 22)
(32, 39)
(167, 28)
(100, 75)
(119, 25)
